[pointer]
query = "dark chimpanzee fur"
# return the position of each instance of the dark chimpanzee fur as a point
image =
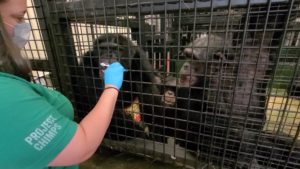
(139, 83)
(220, 100)
(219, 107)
(227, 122)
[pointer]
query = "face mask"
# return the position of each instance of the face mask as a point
(21, 34)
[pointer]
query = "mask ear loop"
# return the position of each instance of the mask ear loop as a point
(9, 24)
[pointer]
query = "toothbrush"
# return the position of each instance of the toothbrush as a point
(104, 64)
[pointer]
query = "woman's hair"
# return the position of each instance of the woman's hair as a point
(11, 60)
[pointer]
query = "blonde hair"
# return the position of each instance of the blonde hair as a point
(11, 60)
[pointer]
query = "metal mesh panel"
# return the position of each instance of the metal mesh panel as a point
(37, 50)
(210, 84)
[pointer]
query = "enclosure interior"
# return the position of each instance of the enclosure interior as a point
(209, 83)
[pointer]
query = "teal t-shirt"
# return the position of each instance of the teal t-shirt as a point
(36, 124)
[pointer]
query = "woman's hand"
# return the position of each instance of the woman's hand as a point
(113, 75)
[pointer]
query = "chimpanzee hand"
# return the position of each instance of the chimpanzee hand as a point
(113, 75)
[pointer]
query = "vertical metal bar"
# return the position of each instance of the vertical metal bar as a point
(48, 34)
(164, 63)
(129, 51)
(76, 33)
(177, 59)
(230, 115)
(189, 90)
(91, 62)
(66, 53)
(240, 56)
(260, 47)
(34, 7)
(207, 56)
(295, 140)
(118, 48)
(273, 76)
(152, 51)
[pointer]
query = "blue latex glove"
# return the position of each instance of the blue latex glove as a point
(113, 75)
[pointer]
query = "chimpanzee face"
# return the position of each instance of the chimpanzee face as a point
(110, 54)
(113, 48)
(190, 74)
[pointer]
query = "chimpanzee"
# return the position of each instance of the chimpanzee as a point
(220, 100)
(139, 90)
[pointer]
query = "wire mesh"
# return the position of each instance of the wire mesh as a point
(211, 84)
(35, 50)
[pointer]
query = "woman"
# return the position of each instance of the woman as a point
(37, 128)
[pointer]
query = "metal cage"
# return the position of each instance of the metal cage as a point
(210, 84)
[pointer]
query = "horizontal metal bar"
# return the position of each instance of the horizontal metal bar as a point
(144, 6)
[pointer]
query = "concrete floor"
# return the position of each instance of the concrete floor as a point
(108, 159)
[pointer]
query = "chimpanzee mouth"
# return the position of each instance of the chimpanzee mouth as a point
(184, 80)
(102, 67)
(187, 80)
(101, 74)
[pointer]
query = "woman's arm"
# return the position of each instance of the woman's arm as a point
(90, 131)
(92, 128)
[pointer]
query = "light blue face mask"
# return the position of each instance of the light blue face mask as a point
(21, 34)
